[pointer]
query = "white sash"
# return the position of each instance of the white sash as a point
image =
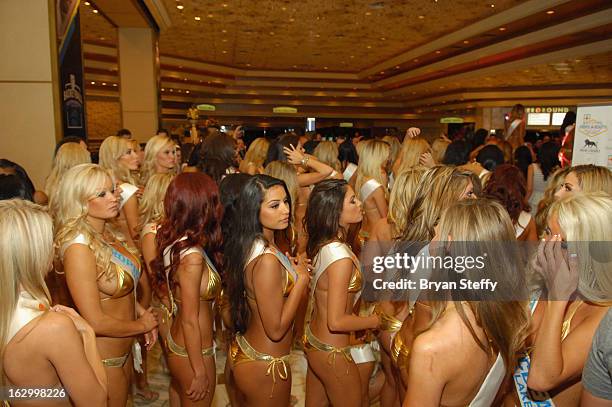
(489, 388)
(260, 248)
(349, 171)
(522, 223)
(367, 188)
(127, 190)
(513, 126)
(26, 310)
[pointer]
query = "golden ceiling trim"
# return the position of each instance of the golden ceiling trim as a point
(296, 102)
(159, 13)
(322, 114)
(577, 25)
(593, 48)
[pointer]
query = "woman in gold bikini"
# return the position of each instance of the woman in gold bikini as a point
(189, 232)
(265, 288)
(41, 346)
(101, 271)
(333, 377)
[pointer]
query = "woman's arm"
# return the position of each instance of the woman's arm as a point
(190, 274)
(82, 377)
(529, 182)
(554, 362)
(339, 275)
(381, 202)
(268, 287)
(149, 252)
(81, 277)
(130, 211)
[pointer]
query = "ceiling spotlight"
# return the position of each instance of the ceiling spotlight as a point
(397, 67)
(549, 12)
(103, 83)
(383, 39)
(224, 4)
(271, 32)
(114, 84)
(93, 83)
(421, 17)
(492, 5)
(210, 16)
(382, 72)
(162, 89)
(416, 60)
(466, 42)
(186, 91)
(197, 18)
(87, 3)
(352, 56)
(291, 20)
(180, 6)
(325, 67)
(438, 51)
(368, 13)
(224, 31)
(502, 28)
(224, 51)
(369, 46)
(171, 90)
(95, 11)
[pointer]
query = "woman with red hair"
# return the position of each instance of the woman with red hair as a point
(191, 228)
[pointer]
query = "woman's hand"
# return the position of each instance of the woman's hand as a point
(295, 155)
(560, 270)
(199, 387)
(426, 160)
(302, 266)
(148, 320)
(80, 323)
(150, 338)
(413, 132)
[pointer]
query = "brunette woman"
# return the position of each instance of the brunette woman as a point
(337, 283)
(265, 288)
(189, 232)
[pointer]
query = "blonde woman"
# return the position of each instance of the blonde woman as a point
(383, 234)
(586, 178)
(438, 149)
(68, 155)
(555, 183)
(119, 157)
(574, 261)
(41, 347)
(159, 157)
(371, 182)
(438, 189)
(470, 344)
(413, 152)
(101, 271)
(255, 157)
(396, 146)
(327, 152)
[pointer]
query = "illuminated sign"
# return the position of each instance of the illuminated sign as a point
(208, 108)
(284, 109)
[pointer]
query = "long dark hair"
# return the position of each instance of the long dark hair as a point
(322, 219)
(248, 229)
(508, 187)
(217, 154)
(548, 157)
(192, 208)
(230, 188)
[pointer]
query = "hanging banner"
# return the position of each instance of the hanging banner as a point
(593, 137)
(71, 80)
(65, 12)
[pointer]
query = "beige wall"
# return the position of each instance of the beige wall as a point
(29, 94)
(138, 70)
(103, 118)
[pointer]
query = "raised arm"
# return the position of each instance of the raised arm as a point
(268, 287)
(81, 273)
(321, 170)
(338, 320)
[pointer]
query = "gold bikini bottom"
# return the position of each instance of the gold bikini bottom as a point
(179, 350)
(313, 343)
(241, 351)
(116, 362)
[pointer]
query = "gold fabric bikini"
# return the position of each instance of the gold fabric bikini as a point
(211, 292)
(241, 350)
(327, 255)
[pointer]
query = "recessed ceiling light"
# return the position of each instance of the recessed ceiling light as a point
(224, 40)
(95, 11)
(502, 28)
(369, 46)
(284, 8)
(492, 5)
(161, 88)
(224, 4)
(397, 67)
(466, 42)
(103, 83)
(438, 51)
(416, 60)
(291, 20)
(87, 3)
(421, 17)
(224, 51)
(271, 32)
(382, 72)
(210, 16)
(223, 31)
(352, 56)
(368, 13)
(295, 66)
(325, 67)
(102, 38)
(248, 64)
(383, 39)
(317, 35)
(197, 18)
(114, 84)
(180, 6)
(93, 83)
(186, 91)
(550, 12)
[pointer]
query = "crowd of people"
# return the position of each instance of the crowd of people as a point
(204, 248)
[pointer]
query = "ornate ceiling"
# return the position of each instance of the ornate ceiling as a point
(369, 59)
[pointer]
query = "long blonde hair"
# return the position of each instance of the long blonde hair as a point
(395, 145)
(402, 196)
(111, 150)
(26, 255)
(327, 152)
(153, 147)
(438, 149)
(69, 207)
(373, 159)
(68, 155)
(411, 151)
(554, 183)
(439, 188)
(256, 154)
(151, 205)
(482, 227)
(593, 178)
(286, 172)
(585, 218)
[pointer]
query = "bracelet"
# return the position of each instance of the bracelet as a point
(305, 160)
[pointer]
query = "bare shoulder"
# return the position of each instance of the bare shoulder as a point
(266, 265)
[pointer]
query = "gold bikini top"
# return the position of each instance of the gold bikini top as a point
(333, 252)
(259, 248)
(213, 286)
